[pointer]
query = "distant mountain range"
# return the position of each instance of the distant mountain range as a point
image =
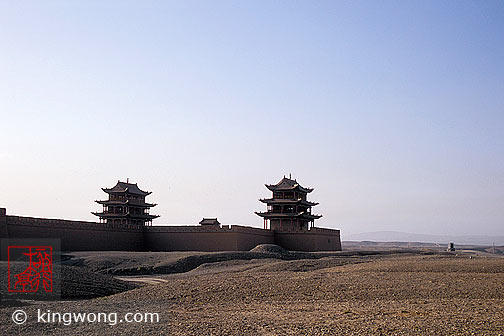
(394, 236)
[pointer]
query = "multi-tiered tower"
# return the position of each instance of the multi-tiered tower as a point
(126, 205)
(288, 209)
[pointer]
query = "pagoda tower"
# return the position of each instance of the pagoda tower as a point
(288, 209)
(126, 205)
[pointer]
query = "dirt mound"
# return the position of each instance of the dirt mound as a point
(127, 264)
(79, 283)
(119, 263)
(269, 248)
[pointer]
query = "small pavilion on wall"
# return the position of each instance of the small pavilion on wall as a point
(126, 205)
(288, 209)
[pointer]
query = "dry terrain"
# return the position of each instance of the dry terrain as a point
(273, 292)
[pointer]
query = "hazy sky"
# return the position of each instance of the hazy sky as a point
(392, 110)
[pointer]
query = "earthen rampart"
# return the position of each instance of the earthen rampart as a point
(82, 235)
(315, 239)
(75, 235)
(202, 238)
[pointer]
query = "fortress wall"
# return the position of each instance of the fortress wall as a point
(205, 238)
(3, 224)
(78, 235)
(189, 238)
(248, 237)
(295, 241)
(86, 236)
(326, 239)
(315, 239)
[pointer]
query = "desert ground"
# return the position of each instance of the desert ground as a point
(270, 291)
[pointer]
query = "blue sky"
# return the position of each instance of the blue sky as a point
(392, 110)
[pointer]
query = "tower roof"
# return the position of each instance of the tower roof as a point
(209, 221)
(122, 187)
(141, 204)
(288, 184)
(287, 201)
(301, 214)
(144, 216)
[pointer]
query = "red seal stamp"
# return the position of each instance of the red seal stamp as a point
(37, 263)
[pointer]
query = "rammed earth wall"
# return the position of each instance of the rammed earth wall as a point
(77, 235)
(201, 238)
(87, 236)
(316, 239)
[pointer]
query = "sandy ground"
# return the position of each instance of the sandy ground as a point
(390, 294)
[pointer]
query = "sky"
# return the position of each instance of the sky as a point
(393, 111)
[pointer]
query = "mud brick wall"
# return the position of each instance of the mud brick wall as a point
(201, 238)
(3, 224)
(77, 235)
(315, 239)
(189, 238)
(249, 237)
(87, 236)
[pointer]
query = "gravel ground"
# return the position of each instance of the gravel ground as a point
(76, 283)
(147, 263)
(389, 295)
